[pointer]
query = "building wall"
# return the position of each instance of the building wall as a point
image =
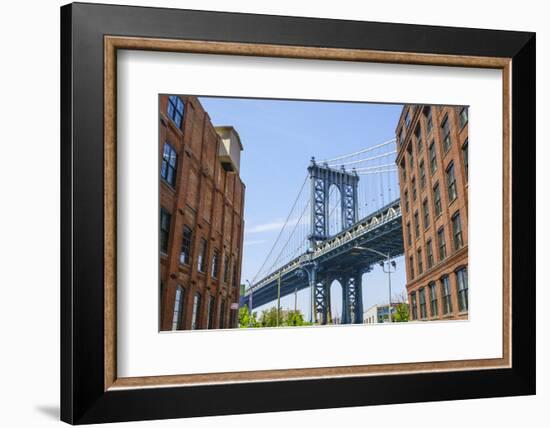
(408, 143)
(209, 201)
(377, 314)
(370, 316)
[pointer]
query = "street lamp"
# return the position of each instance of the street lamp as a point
(391, 264)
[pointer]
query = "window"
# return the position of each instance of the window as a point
(185, 253)
(462, 285)
(215, 264)
(419, 260)
(429, 123)
(222, 314)
(161, 294)
(416, 225)
(398, 138)
(211, 307)
(232, 318)
(201, 259)
(422, 175)
(406, 196)
(178, 309)
(451, 182)
(413, 185)
(446, 295)
(411, 157)
(433, 299)
(226, 268)
(426, 213)
(403, 171)
(411, 267)
(465, 158)
(196, 309)
(429, 254)
(445, 135)
(441, 244)
(437, 200)
(165, 219)
(463, 117)
(408, 118)
(409, 237)
(169, 164)
(418, 136)
(457, 231)
(175, 109)
(422, 297)
(235, 275)
(413, 306)
(433, 160)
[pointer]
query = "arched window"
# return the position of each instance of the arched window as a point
(196, 311)
(433, 300)
(462, 288)
(446, 295)
(414, 309)
(178, 308)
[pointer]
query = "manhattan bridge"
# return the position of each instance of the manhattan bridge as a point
(345, 219)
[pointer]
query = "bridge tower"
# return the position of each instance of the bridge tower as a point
(322, 178)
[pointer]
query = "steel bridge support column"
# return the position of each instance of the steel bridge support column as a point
(328, 282)
(358, 280)
(352, 299)
(321, 310)
(346, 315)
(310, 269)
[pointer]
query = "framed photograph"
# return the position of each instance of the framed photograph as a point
(310, 213)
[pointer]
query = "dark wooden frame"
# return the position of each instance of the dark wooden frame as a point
(87, 377)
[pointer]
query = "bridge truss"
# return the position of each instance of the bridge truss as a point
(313, 255)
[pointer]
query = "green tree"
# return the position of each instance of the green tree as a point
(401, 312)
(295, 318)
(269, 318)
(246, 319)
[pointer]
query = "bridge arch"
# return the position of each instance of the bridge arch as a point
(334, 210)
(336, 309)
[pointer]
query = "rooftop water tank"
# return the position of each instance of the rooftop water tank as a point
(230, 148)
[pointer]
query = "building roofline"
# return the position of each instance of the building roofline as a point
(230, 128)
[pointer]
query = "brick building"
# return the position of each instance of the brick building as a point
(201, 217)
(432, 146)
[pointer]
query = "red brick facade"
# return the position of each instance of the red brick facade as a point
(207, 202)
(434, 201)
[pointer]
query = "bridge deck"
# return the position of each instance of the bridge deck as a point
(381, 231)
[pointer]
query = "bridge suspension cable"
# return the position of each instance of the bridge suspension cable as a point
(372, 194)
(370, 168)
(377, 172)
(282, 229)
(363, 160)
(368, 149)
(289, 238)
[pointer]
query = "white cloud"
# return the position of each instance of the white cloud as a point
(254, 242)
(275, 225)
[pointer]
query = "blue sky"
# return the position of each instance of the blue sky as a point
(279, 139)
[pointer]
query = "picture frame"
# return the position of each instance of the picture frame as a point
(91, 391)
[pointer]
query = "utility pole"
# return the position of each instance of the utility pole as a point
(278, 298)
(389, 272)
(391, 264)
(250, 303)
(295, 299)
